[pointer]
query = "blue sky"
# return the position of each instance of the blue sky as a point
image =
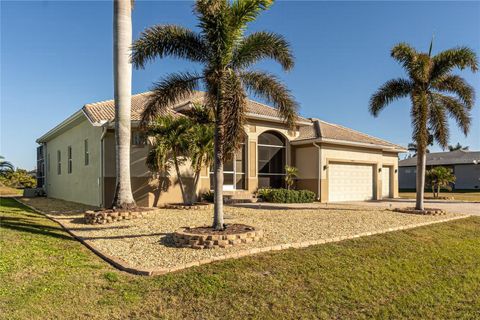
(57, 56)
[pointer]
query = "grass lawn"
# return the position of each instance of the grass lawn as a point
(7, 191)
(428, 273)
(457, 195)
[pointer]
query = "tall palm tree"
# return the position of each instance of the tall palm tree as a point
(435, 93)
(226, 55)
(458, 146)
(122, 41)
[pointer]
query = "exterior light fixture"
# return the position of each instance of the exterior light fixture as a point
(396, 170)
(379, 169)
(325, 167)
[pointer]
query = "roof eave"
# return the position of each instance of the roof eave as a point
(61, 126)
(350, 143)
(255, 116)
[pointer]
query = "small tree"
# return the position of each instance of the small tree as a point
(457, 147)
(5, 166)
(290, 174)
(438, 178)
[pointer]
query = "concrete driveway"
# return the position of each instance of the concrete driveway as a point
(472, 208)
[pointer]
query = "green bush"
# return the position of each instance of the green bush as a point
(286, 196)
(208, 196)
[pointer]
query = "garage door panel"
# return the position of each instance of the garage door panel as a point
(350, 182)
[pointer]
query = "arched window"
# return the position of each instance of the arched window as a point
(271, 160)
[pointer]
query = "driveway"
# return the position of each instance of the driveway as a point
(472, 208)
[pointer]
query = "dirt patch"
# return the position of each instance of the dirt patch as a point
(229, 229)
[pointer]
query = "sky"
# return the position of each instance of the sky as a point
(57, 56)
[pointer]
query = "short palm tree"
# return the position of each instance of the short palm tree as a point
(227, 56)
(456, 147)
(5, 166)
(291, 173)
(170, 145)
(435, 93)
(440, 177)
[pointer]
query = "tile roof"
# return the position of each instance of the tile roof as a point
(444, 158)
(105, 110)
(326, 130)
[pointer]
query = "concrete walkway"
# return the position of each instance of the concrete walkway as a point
(472, 208)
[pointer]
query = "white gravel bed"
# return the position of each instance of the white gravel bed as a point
(146, 242)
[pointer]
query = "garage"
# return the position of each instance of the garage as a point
(350, 182)
(386, 182)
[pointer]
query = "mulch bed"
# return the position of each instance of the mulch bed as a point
(229, 229)
(426, 211)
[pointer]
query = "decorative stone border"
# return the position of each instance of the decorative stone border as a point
(195, 206)
(124, 266)
(427, 211)
(184, 238)
(108, 216)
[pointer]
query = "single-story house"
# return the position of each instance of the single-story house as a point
(77, 158)
(464, 164)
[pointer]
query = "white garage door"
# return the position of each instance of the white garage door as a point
(386, 182)
(349, 182)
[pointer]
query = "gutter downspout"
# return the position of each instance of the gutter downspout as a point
(319, 170)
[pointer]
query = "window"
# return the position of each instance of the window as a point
(138, 138)
(59, 162)
(87, 154)
(271, 160)
(233, 171)
(69, 154)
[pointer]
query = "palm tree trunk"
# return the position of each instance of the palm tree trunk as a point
(122, 41)
(218, 189)
(421, 164)
(196, 179)
(180, 182)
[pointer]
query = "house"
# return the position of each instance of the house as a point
(335, 162)
(465, 165)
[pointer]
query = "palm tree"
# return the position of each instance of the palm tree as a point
(5, 166)
(226, 55)
(290, 174)
(457, 147)
(122, 41)
(169, 147)
(440, 177)
(435, 93)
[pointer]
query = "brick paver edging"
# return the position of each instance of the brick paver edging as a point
(124, 266)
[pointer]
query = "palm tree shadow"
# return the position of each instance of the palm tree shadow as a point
(27, 226)
(167, 240)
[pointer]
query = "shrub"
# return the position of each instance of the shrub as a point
(208, 196)
(263, 193)
(287, 196)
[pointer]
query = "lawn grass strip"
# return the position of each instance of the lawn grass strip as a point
(124, 266)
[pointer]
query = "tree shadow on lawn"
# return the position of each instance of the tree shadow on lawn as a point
(127, 236)
(28, 226)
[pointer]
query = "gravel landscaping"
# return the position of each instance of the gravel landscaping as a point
(147, 243)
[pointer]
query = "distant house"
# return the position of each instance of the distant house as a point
(77, 158)
(464, 164)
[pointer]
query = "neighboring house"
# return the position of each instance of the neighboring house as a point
(464, 164)
(335, 162)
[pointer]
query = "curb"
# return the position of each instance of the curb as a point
(124, 266)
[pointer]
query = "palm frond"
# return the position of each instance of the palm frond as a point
(261, 45)
(446, 61)
(390, 91)
(172, 89)
(268, 87)
(405, 54)
(438, 123)
(457, 110)
(168, 40)
(234, 106)
(456, 85)
(245, 11)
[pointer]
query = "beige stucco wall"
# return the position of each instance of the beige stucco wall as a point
(83, 184)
